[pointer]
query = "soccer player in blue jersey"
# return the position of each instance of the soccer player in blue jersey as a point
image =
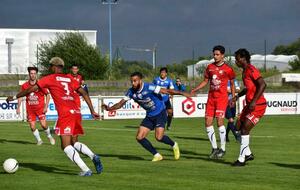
(231, 111)
(148, 96)
(165, 82)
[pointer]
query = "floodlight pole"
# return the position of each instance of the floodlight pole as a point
(109, 3)
(9, 42)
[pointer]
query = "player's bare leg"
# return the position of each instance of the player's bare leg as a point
(222, 134)
(47, 131)
(211, 136)
(245, 152)
(71, 152)
(141, 138)
(35, 132)
(84, 149)
(161, 137)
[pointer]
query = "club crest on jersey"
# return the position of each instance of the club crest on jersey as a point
(67, 130)
(134, 95)
(140, 96)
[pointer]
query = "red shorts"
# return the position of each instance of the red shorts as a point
(32, 114)
(69, 124)
(216, 107)
(253, 115)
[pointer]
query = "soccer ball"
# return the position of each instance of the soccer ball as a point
(10, 165)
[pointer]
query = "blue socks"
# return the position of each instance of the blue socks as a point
(147, 145)
(165, 139)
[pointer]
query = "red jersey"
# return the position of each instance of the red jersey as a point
(78, 78)
(62, 89)
(34, 100)
(218, 77)
(251, 74)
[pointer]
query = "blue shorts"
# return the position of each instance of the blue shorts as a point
(230, 112)
(168, 104)
(155, 121)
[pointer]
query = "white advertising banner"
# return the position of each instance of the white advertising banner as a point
(279, 103)
(8, 111)
(193, 107)
(131, 110)
(85, 111)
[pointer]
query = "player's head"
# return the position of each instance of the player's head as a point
(242, 57)
(32, 72)
(218, 53)
(136, 80)
(178, 81)
(163, 72)
(56, 64)
(74, 69)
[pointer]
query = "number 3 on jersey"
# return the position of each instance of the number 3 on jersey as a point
(66, 88)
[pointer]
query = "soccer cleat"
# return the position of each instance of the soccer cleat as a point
(213, 154)
(176, 151)
(87, 173)
(97, 163)
(249, 157)
(238, 163)
(39, 143)
(52, 140)
(221, 153)
(157, 157)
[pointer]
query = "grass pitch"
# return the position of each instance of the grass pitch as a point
(274, 142)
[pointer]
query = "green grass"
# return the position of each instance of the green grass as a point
(275, 143)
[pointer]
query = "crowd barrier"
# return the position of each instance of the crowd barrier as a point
(277, 104)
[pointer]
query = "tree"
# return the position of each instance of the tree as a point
(74, 48)
(291, 49)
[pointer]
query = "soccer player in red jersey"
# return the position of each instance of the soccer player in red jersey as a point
(68, 125)
(77, 79)
(255, 103)
(217, 75)
(36, 106)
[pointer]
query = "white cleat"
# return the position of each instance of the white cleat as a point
(39, 143)
(52, 141)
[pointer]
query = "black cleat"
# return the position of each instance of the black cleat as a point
(213, 154)
(238, 163)
(249, 157)
(221, 153)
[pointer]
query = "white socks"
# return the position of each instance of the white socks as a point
(48, 133)
(84, 149)
(37, 135)
(222, 132)
(74, 156)
(211, 136)
(245, 149)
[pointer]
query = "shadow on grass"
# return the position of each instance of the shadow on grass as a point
(131, 127)
(293, 166)
(15, 141)
(191, 138)
(46, 168)
(197, 156)
(122, 157)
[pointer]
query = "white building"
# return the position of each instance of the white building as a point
(280, 62)
(24, 43)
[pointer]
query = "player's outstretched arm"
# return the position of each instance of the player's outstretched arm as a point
(88, 102)
(240, 94)
(22, 93)
(115, 106)
(46, 103)
(174, 92)
(201, 85)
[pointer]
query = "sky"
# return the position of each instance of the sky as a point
(181, 29)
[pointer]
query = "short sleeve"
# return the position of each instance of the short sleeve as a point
(154, 88)
(171, 85)
(128, 95)
(255, 74)
(231, 74)
(43, 82)
(206, 73)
